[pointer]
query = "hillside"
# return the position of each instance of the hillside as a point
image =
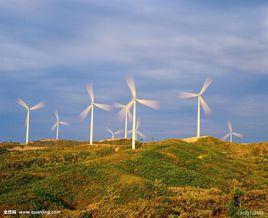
(170, 178)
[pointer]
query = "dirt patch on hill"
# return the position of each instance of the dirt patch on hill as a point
(27, 148)
(194, 139)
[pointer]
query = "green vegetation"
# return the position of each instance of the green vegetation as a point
(170, 178)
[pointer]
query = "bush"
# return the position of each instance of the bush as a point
(3, 150)
(235, 205)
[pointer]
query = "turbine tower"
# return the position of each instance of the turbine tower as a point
(57, 124)
(91, 108)
(231, 133)
(134, 100)
(113, 133)
(124, 113)
(27, 121)
(200, 102)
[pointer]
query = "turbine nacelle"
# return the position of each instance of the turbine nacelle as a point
(114, 133)
(58, 121)
(186, 95)
(90, 107)
(231, 133)
(146, 102)
(90, 92)
(28, 108)
(200, 102)
(125, 110)
(27, 120)
(124, 113)
(134, 100)
(138, 129)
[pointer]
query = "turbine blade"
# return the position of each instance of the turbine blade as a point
(129, 115)
(129, 105)
(138, 124)
(57, 115)
(125, 108)
(131, 85)
(54, 126)
(103, 106)
(226, 136)
(229, 124)
(118, 132)
(205, 106)
(140, 134)
(121, 114)
(205, 85)
(22, 103)
(109, 130)
(184, 95)
(63, 123)
(118, 105)
(90, 92)
(149, 103)
(85, 112)
(238, 135)
(37, 106)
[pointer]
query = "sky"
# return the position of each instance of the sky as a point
(50, 50)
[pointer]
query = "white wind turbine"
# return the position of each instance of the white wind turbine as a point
(200, 102)
(124, 113)
(138, 132)
(231, 133)
(113, 133)
(134, 100)
(91, 108)
(57, 124)
(27, 121)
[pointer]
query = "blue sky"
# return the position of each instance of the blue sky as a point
(49, 51)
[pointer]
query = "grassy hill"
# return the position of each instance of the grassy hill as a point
(169, 178)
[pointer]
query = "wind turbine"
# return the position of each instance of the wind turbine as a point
(91, 108)
(113, 133)
(138, 132)
(28, 108)
(231, 133)
(124, 113)
(134, 100)
(200, 102)
(57, 124)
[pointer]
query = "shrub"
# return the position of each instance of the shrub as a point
(3, 150)
(235, 205)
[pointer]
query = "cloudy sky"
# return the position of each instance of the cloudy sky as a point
(50, 49)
